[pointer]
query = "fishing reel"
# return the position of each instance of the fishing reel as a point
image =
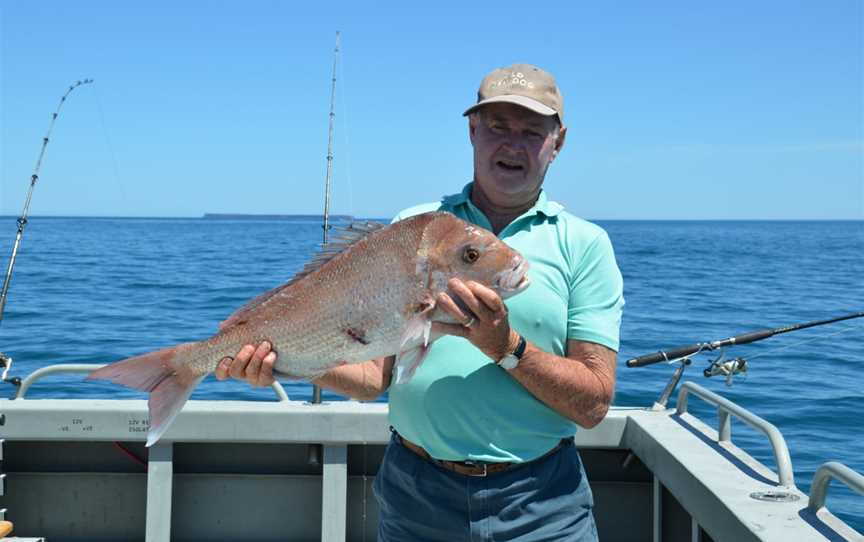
(720, 366)
(6, 364)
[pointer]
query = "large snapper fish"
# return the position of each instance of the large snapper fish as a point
(370, 293)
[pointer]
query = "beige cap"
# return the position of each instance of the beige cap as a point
(524, 85)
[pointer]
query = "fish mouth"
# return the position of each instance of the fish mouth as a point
(513, 281)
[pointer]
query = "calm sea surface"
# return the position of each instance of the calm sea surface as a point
(90, 290)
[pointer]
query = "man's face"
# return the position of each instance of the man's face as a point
(513, 147)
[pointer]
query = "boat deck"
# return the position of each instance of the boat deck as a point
(76, 470)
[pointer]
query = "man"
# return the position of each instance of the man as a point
(482, 445)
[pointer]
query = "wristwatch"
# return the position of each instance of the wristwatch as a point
(511, 360)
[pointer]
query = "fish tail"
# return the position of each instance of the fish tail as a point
(165, 374)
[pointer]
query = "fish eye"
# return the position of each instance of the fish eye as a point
(470, 255)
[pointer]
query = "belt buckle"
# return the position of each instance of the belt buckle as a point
(481, 464)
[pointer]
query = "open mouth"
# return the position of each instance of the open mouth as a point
(513, 281)
(507, 165)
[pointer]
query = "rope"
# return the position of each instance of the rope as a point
(131, 455)
(347, 152)
(108, 144)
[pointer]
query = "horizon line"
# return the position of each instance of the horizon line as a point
(342, 216)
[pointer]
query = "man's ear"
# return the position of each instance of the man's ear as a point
(472, 126)
(559, 143)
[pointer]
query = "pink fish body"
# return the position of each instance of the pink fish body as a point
(370, 293)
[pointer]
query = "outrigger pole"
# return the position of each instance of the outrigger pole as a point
(22, 220)
(753, 336)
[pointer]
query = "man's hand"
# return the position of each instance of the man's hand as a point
(363, 381)
(252, 364)
(489, 330)
(579, 386)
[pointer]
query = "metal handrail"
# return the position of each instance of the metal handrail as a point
(87, 367)
(725, 408)
(824, 474)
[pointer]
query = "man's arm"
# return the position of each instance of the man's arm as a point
(580, 386)
(362, 381)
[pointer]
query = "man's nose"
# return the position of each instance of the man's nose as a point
(514, 140)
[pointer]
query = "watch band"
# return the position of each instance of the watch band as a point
(520, 348)
(511, 360)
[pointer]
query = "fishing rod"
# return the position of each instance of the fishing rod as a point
(5, 361)
(22, 220)
(316, 390)
(719, 366)
(315, 451)
(750, 337)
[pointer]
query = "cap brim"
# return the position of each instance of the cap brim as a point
(524, 101)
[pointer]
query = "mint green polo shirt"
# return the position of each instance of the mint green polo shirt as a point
(460, 405)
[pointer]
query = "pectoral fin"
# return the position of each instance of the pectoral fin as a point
(415, 342)
(419, 327)
(408, 361)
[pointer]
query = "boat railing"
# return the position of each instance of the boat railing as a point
(87, 367)
(725, 410)
(832, 470)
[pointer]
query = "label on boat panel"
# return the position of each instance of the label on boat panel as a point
(77, 425)
(139, 425)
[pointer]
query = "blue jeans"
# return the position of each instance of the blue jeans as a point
(547, 499)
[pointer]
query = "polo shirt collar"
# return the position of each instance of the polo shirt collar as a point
(542, 205)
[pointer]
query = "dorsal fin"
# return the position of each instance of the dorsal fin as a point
(343, 237)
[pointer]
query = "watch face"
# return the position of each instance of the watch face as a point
(509, 362)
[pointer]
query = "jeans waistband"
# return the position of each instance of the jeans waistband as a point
(474, 468)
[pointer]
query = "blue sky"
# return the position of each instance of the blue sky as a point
(675, 109)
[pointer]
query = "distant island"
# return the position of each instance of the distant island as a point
(303, 218)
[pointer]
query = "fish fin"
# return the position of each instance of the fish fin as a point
(408, 361)
(355, 231)
(240, 314)
(164, 374)
(165, 403)
(342, 239)
(419, 326)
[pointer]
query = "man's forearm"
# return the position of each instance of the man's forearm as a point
(361, 381)
(579, 387)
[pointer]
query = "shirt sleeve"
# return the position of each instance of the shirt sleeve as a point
(596, 296)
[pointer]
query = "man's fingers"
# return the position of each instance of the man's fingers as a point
(446, 302)
(252, 364)
(492, 301)
(223, 368)
(241, 360)
(254, 367)
(265, 377)
(450, 329)
(466, 294)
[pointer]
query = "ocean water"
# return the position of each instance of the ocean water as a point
(95, 290)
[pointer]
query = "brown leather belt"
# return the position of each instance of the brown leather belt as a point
(472, 468)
